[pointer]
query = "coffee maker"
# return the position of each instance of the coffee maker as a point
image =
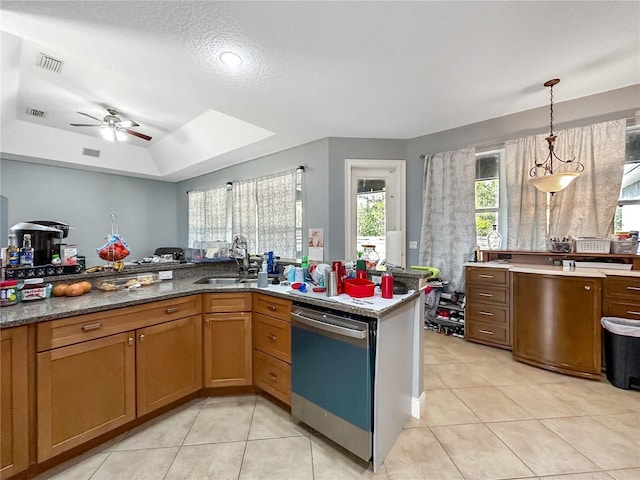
(46, 238)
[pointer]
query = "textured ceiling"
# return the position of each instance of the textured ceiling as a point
(311, 70)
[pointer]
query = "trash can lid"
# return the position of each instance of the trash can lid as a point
(621, 326)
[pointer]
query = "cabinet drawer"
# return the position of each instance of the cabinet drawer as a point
(272, 375)
(226, 302)
(487, 275)
(487, 332)
(623, 287)
(67, 331)
(487, 294)
(618, 308)
(272, 336)
(487, 313)
(272, 306)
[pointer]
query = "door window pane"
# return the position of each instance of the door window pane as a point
(371, 220)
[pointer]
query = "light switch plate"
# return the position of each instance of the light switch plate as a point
(413, 245)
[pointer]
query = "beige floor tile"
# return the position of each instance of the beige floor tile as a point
(430, 380)
(457, 376)
(216, 461)
(231, 398)
(78, 468)
(630, 399)
(442, 407)
(606, 448)
(168, 430)
(626, 424)
(580, 476)
(136, 465)
(278, 459)
(417, 454)
(541, 449)
(479, 453)
(271, 421)
(538, 401)
(626, 474)
(332, 462)
(438, 356)
(490, 404)
(500, 373)
(585, 400)
(221, 422)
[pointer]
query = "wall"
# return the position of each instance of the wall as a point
(313, 156)
(146, 209)
(616, 104)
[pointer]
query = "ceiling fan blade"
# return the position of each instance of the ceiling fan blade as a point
(90, 116)
(127, 124)
(84, 125)
(137, 134)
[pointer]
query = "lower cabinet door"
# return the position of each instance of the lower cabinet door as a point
(169, 364)
(14, 402)
(272, 375)
(84, 390)
(227, 349)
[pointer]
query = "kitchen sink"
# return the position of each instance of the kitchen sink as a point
(226, 280)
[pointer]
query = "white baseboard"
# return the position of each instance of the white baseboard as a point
(416, 404)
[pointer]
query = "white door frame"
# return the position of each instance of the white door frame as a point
(399, 166)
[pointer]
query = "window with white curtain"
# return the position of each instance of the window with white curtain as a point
(266, 210)
(628, 211)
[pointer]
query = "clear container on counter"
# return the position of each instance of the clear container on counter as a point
(127, 282)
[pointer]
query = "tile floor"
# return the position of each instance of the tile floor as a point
(486, 417)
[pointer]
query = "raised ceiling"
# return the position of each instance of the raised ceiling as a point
(310, 70)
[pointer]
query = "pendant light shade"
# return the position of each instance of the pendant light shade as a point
(546, 176)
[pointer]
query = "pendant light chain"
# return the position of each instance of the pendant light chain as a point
(551, 112)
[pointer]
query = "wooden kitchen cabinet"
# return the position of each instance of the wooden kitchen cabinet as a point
(169, 362)
(272, 346)
(84, 390)
(14, 416)
(98, 371)
(487, 314)
(622, 297)
(557, 323)
(227, 340)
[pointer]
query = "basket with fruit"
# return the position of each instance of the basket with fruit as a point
(116, 249)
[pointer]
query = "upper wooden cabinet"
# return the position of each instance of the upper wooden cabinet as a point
(557, 322)
(14, 412)
(99, 371)
(227, 340)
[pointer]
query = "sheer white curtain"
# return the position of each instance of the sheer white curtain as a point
(448, 214)
(587, 207)
(276, 205)
(244, 212)
(207, 215)
(584, 208)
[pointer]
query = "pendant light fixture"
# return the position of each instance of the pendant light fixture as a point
(546, 176)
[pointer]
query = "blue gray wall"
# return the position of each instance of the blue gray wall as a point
(146, 209)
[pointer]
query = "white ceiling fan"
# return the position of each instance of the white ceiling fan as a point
(113, 128)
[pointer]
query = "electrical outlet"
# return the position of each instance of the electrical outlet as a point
(413, 245)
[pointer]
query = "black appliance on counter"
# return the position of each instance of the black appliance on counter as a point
(46, 238)
(176, 252)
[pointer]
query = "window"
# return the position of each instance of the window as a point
(487, 193)
(628, 212)
(267, 210)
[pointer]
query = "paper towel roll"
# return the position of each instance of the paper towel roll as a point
(394, 248)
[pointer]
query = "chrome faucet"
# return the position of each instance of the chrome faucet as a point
(240, 247)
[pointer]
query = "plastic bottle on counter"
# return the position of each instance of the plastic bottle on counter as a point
(361, 269)
(26, 252)
(386, 284)
(12, 253)
(305, 268)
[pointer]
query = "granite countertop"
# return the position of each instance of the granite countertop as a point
(96, 301)
(594, 272)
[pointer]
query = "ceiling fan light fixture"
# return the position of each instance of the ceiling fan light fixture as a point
(108, 134)
(231, 59)
(120, 136)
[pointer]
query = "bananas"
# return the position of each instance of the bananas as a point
(117, 266)
(99, 268)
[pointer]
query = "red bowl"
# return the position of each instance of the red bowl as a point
(358, 287)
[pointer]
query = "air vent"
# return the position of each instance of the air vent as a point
(35, 113)
(89, 152)
(50, 63)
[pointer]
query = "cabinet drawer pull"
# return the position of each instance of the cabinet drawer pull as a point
(487, 332)
(273, 377)
(487, 314)
(130, 341)
(91, 326)
(482, 275)
(631, 312)
(272, 337)
(633, 288)
(172, 309)
(482, 294)
(142, 337)
(271, 307)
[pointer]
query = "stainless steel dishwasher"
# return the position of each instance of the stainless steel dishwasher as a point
(332, 371)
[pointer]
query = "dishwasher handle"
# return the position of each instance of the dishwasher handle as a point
(328, 327)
